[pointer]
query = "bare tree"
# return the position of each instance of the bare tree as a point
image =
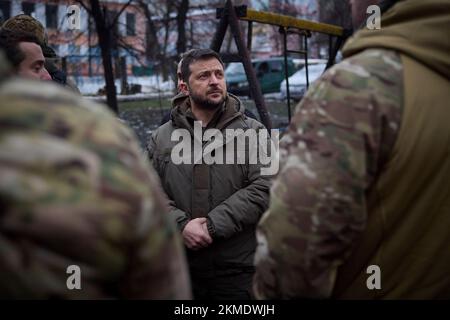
(167, 26)
(165, 61)
(285, 7)
(104, 28)
(153, 47)
(182, 8)
(336, 12)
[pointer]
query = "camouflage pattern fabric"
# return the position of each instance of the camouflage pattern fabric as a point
(75, 190)
(28, 24)
(338, 140)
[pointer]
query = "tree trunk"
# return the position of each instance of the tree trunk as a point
(164, 60)
(104, 40)
(181, 25)
(153, 49)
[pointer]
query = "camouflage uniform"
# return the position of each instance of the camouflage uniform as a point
(28, 24)
(331, 152)
(75, 190)
(364, 171)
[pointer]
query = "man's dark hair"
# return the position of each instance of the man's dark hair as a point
(9, 42)
(194, 55)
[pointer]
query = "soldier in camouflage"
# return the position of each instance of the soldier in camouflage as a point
(24, 52)
(75, 190)
(365, 169)
(23, 23)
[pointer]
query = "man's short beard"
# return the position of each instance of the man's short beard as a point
(206, 103)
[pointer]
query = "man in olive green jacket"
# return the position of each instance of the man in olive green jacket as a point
(216, 206)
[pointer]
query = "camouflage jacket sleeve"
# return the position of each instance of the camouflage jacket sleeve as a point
(339, 138)
(75, 190)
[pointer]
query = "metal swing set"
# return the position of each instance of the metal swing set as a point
(230, 15)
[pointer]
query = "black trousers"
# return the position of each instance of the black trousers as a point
(223, 287)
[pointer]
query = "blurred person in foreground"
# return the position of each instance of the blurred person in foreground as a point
(76, 192)
(361, 206)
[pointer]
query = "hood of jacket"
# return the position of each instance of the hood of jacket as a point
(417, 28)
(182, 117)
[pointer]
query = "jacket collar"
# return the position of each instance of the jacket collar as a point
(182, 116)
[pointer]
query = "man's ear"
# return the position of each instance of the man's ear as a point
(183, 87)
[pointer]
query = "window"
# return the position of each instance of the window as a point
(264, 68)
(74, 50)
(5, 10)
(131, 24)
(51, 16)
(276, 66)
(28, 8)
(96, 51)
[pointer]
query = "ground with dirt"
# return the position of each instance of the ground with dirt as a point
(143, 121)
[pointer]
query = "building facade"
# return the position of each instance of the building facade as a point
(82, 54)
(80, 45)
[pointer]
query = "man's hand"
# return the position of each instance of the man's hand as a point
(196, 235)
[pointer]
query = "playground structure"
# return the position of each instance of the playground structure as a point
(230, 16)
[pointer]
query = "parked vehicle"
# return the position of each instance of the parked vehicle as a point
(297, 82)
(300, 62)
(270, 72)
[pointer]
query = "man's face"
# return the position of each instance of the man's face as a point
(359, 10)
(32, 67)
(206, 84)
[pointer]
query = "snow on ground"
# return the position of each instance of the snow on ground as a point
(150, 85)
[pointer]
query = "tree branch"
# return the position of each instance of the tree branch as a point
(120, 12)
(81, 2)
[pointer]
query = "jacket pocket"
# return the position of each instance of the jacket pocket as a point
(162, 163)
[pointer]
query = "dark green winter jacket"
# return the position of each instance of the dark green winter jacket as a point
(232, 196)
